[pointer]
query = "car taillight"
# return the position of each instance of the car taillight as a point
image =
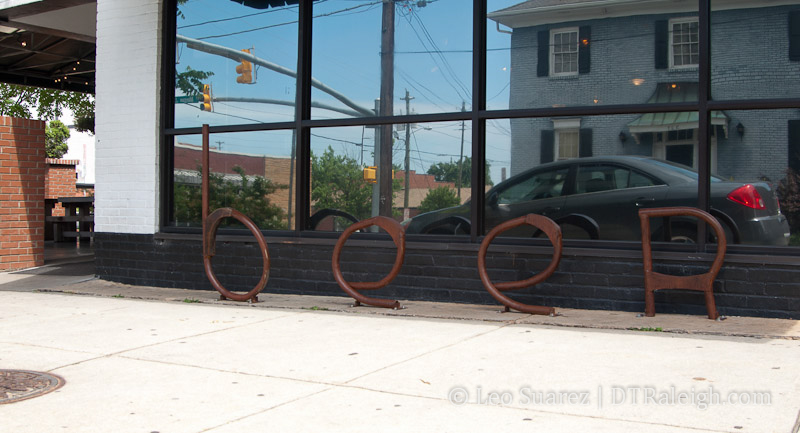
(747, 195)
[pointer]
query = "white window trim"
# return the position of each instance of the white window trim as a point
(671, 53)
(552, 53)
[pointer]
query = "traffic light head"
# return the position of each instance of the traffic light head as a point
(245, 71)
(205, 102)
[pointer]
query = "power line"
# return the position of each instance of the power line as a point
(327, 14)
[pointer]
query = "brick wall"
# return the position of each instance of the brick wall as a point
(60, 181)
(22, 167)
(127, 155)
(448, 272)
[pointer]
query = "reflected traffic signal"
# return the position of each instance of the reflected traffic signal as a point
(245, 71)
(205, 102)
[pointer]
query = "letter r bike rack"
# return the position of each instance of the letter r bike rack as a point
(397, 233)
(211, 224)
(655, 281)
(553, 232)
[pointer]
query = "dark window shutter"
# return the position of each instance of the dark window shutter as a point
(794, 145)
(543, 65)
(585, 143)
(584, 56)
(547, 146)
(662, 44)
(794, 35)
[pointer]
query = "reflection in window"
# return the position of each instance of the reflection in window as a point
(250, 172)
(244, 67)
(684, 42)
(564, 46)
(567, 144)
(541, 185)
(431, 170)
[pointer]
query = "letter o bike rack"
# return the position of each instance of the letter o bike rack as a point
(397, 233)
(210, 227)
(656, 281)
(553, 232)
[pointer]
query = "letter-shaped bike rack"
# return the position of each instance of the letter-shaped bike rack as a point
(211, 224)
(655, 281)
(553, 232)
(397, 233)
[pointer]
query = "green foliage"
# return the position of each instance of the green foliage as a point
(56, 135)
(448, 172)
(337, 182)
(439, 198)
(47, 104)
(248, 195)
(191, 82)
(789, 195)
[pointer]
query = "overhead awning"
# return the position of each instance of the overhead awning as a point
(662, 122)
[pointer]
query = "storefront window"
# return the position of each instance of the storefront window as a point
(592, 112)
(429, 62)
(759, 37)
(252, 172)
(427, 160)
(239, 59)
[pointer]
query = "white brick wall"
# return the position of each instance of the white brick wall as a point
(127, 115)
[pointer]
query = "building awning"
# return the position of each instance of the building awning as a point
(662, 122)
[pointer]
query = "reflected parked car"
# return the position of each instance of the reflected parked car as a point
(599, 198)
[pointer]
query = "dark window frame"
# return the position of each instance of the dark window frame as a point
(478, 115)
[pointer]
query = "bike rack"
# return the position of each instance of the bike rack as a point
(211, 224)
(553, 232)
(656, 281)
(397, 233)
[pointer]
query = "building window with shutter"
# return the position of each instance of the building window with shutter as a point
(564, 51)
(566, 143)
(684, 48)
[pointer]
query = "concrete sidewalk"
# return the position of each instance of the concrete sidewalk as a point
(167, 363)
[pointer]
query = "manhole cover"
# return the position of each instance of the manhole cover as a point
(16, 385)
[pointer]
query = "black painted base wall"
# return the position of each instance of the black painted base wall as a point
(445, 275)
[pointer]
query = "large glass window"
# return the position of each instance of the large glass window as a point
(252, 172)
(431, 171)
(428, 62)
(241, 60)
(593, 111)
(755, 50)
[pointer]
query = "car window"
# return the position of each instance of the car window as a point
(539, 185)
(639, 180)
(596, 178)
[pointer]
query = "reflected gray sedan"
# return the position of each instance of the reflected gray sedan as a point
(599, 198)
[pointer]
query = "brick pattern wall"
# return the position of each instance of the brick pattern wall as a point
(447, 273)
(127, 152)
(60, 181)
(22, 167)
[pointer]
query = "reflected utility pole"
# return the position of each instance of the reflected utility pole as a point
(386, 109)
(407, 176)
(461, 155)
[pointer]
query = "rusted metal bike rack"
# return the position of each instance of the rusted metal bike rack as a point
(211, 224)
(397, 233)
(656, 281)
(553, 232)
